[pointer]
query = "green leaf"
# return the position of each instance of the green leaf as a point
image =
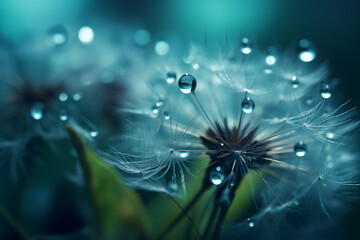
(118, 209)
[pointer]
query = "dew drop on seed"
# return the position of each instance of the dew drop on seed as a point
(330, 135)
(187, 83)
(300, 149)
(217, 175)
(246, 46)
(166, 115)
(247, 105)
(170, 77)
(306, 51)
(63, 97)
(37, 111)
(63, 115)
(325, 91)
(94, 133)
(57, 36)
(294, 82)
(251, 222)
(155, 110)
(184, 154)
(77, 96)
(159, 103)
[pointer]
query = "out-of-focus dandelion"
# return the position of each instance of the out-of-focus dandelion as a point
(266, 120)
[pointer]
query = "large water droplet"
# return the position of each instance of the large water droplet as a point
(251, 222)
(77, 96)
(187, 83)
(63, 115)
(184, 154)
(170, 77)
(270, 60)
(162, 48)
(306, 50)
(300, 149)
(63, 97)
(86, 35)
(37, 111)
(325, 91)
(294, 82)
(166, 115)
(246, 46)
(247, 104)
(57, 36)
(94, 133)
(155, 111)
(217, 175)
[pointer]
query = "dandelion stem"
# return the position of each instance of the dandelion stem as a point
(182, 214)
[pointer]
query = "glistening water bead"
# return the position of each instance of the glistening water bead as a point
(307, 51)
(300, 149)
(57, 36)
(325, 91)
(294, 82)
(247, 105)
(246, 46)
(170, 77)
(37, 111)
(187, 83)
(217, 175)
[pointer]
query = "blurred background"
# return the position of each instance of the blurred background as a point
(333, 26)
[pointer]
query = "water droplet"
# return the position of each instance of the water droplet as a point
(268, 71)
(142, 37)
(187, 83)
(330, 135)
(166, 115)
(300, 149)
(170, 77)
(159, 103)
(294, 82)
(217, 175)
(270, 60)
(57, 36)
(162, 48)
(63, 97)
(195, 66)
(94, 133)
(246, 46)
(184, 154)
(325, 91)
(86, 35)
(37, 111)
(77, 96)
(155, 110)
(247, 104)
(63, 115)
(251, 222)
(306, 50)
